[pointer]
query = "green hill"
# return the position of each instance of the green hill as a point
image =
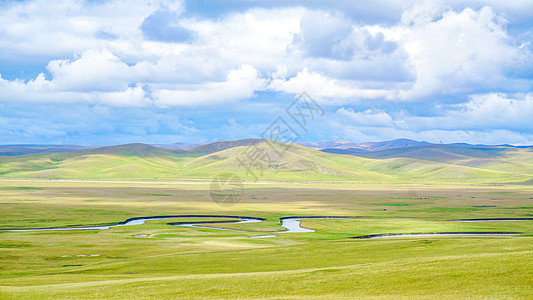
(223, 145)
(456, 162)
(281, 162)
(440, 153)
(268, 160)
(123, 161)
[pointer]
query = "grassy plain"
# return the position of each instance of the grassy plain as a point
(433, 164)
(187, 262)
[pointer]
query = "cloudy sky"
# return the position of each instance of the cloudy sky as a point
(101, 72)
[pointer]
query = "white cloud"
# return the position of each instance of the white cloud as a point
(459, 52)
(92, 71)
(240, 83)
(485, 118)
(493, 111)
(337, 92)
(346, 131)
(132, 96)
(52, 28)
(435, 53)
(496, 111)
(94, 77)
(322, 34)
(373, 118)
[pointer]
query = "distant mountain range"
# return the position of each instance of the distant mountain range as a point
(182, 146)
(363, 147)
(342, 147)
(337, 147)
(258, 159)
(12, 150)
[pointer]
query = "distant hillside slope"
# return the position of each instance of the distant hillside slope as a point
(268, 160)
(344, 147)
(347, 151)
(182, 146)
(329, 144)
(462, 162)
(137, 149)
(223, 145)
(439, 153)
(12, 150)
(123, 161)
(279, 161)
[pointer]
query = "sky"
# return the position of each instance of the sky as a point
(107, 72)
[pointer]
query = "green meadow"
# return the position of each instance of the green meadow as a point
(434, 164)
(196, 262)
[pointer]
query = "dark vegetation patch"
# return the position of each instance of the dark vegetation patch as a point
(72, 266)
(392, 204)
(21, 188)
(14, 244)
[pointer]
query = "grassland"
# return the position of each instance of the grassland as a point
(185, 262)
(434, 164)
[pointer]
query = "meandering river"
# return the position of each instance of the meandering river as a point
(291, 224)
(142, 220)
(383, 236)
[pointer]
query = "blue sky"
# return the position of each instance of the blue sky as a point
(111, 72)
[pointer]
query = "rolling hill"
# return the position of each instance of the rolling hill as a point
(123, 161)
(223, 145)
(279, 161)
(13, 150)
(179, 145)
(462, 162)
(253, 159)
(440, 153)
(349, 147)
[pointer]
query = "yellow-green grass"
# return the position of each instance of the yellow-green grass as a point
(296, 163)
(31, 203)
(188, 262)
(420, 267)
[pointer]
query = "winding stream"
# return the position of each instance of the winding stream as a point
(291, 224)
(198, 224)
(142, 220)
(395, 235)
(492, 220)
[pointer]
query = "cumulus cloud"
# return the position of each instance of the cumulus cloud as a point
(328, 35)
(240, 83)
(94, 77)
(495, 111)
(60, 28)
(465, 61)
(492, 111)
(98, 70)
(336, 92)
(322, 34)
(484, 118)
(164, 25)
(433, 51)
(374, 118)
(460, 52)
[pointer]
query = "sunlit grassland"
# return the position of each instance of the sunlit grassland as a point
(187, 262)
(443, 166)
(444, 267)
